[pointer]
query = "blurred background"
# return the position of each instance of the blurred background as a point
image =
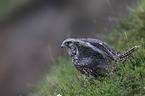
(31, 32)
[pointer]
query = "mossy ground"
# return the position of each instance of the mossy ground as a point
(129, 80)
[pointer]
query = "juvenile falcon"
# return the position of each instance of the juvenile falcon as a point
(93, 57)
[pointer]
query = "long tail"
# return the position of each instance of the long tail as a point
(126, 54)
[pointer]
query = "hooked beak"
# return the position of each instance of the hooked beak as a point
(63, 45)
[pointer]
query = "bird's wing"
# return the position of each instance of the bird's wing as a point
(107, 51)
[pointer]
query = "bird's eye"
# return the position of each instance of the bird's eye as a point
(67, 43)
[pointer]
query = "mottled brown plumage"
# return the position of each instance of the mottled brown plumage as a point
(93, 57)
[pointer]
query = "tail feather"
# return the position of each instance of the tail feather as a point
(127, 53)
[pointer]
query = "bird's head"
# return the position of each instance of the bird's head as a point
(75, 47)
(67, 43)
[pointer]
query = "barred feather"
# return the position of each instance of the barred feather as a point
(127, 53)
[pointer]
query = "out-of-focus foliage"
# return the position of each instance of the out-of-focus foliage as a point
(129, 80)
(132, 29)
(8, 6)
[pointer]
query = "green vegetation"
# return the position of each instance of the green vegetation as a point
(9, 6)
(130, 80)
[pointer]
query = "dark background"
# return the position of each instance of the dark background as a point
(31, 33)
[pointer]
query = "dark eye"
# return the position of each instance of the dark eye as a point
(67, 43)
